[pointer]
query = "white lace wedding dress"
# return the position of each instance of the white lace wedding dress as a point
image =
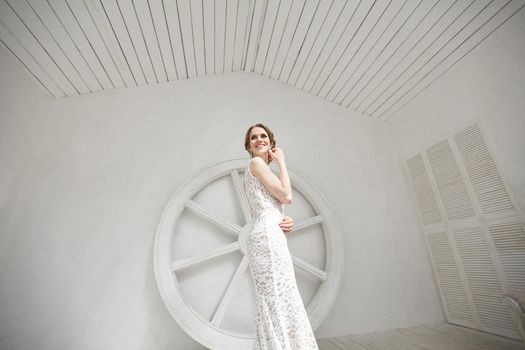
(281, 321)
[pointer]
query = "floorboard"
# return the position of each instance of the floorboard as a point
(441, 336)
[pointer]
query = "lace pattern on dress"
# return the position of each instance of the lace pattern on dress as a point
(281, 321)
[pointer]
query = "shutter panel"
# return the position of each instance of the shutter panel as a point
(474, 233)
(449, 182)
(425, 197)
(509, 239)
(482, 279)
(445, 268)
(453, 292)
(482, 171)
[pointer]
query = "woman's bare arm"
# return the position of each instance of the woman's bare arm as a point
(280, 187)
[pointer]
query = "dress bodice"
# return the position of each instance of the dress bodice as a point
(262, 202)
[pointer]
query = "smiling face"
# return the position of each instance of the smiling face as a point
(259, 141)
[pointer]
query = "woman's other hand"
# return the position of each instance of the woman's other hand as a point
(286, 224)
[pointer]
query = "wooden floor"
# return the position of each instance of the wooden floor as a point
(427, 337)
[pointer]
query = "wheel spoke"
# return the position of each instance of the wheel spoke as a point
(245, 206)
(308, 222)
(178, 265)
(317, 272)
(199, 210)
(230, 292)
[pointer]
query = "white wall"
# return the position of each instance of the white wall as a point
(487, 85)
(88, 177)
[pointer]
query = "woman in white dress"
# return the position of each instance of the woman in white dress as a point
(281, 321)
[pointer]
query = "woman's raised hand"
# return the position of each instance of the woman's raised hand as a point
(276, 154)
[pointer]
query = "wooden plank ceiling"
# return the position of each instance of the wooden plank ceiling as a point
(369, 56)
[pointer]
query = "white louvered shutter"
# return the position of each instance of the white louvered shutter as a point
(453, 294)
(473, 229)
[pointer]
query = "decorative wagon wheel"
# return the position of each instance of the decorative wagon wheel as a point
(206, 329)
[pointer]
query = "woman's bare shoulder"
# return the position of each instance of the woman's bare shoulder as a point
(257, 160)
(257, 165)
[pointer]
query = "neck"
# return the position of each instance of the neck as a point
(263, 157)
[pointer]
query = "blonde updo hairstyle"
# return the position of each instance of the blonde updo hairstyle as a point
(247, 138)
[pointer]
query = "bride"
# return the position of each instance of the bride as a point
(281, 321)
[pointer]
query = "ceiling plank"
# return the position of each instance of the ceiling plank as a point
(424, 43)
(112, 12)
(299, 37)
(107, 33)
(352, 40)
(503, 15)
(160, 27)
(395, 22)
(83, 17)
(220, 33)
(172, 20)
(314, 29)
(410, 23)
(209, 35)
(50, 45)
(408, 76)
(410, 39)
(241, 33)
(277, 35)
(259, 10)
(151, 40)
(296, 11)
(270, 17)
(331, 25)
(185, 19)
(342, 54)
(385, 16)
(365, 34)
(229, 37)
(128, 12)
(16, 26)
(75, 32)
(51, 25)
(470, 35)
(334, 40)
(24, 56)
(197, 14)
(248, 33)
